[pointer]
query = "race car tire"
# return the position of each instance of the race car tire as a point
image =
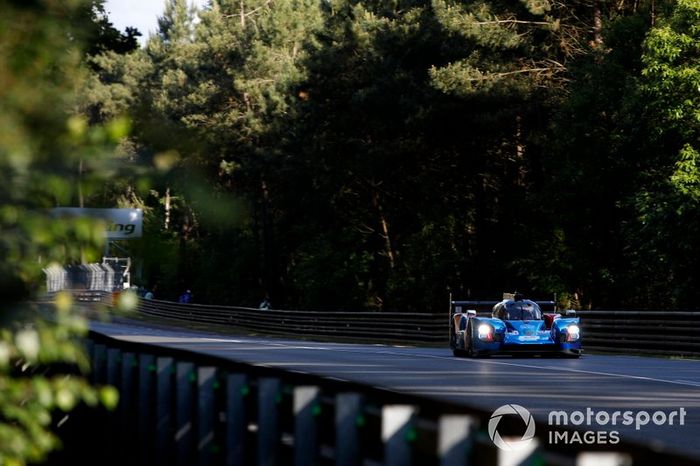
(468, 343)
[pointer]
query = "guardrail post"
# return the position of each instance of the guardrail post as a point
(164, 403)
(397, 433)
(184, 394)
(110, 435)
(523, 455)
(268, 431)
(206, 377)
(348, 411)
(603, 458)
(99, 364)
(113, 360)
(237, 390)
(147, 370)
(90, 351)
(306, 410)
(127, 406)
(455, 439)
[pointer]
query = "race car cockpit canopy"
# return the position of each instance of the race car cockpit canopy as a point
(522, 309)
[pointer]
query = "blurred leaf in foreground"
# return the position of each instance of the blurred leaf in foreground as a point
(42, 151)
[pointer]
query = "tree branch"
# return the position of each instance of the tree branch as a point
(512, 21)
(509, 73)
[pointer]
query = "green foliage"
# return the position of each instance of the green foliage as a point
(92, 28)
(667, 204)
(31, 391)
(671, 74)
(512, 48)
(42, 150)
(686, 177)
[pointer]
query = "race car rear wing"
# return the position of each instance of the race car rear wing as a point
(490, 304)
(484, 306)
(459, 306)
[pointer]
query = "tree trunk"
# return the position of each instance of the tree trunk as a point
(384, 225)
(519, 152)
(269, 269)
(242, 15)
(167, 209)
(81, 201)
(597, 24)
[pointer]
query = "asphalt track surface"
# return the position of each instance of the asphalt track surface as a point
(600, 382)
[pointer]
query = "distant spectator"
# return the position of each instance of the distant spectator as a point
(185, 297)
(151, 294)
(265, 304)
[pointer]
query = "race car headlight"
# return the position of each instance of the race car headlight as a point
(485, 332)
(572, 333)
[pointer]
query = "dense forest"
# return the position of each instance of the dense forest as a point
(360, 154)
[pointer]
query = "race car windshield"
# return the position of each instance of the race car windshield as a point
(519, 310)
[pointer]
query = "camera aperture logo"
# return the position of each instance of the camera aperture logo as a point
(511, 445)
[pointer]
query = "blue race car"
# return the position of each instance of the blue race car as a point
(516, 326)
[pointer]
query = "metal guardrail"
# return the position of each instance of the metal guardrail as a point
(674, 333)
(187, 408)
(670, 333)
(361, 326)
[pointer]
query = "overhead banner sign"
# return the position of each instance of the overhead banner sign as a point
(121, 223)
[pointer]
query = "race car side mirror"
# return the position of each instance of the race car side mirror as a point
(471, 313)
(570, 313)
